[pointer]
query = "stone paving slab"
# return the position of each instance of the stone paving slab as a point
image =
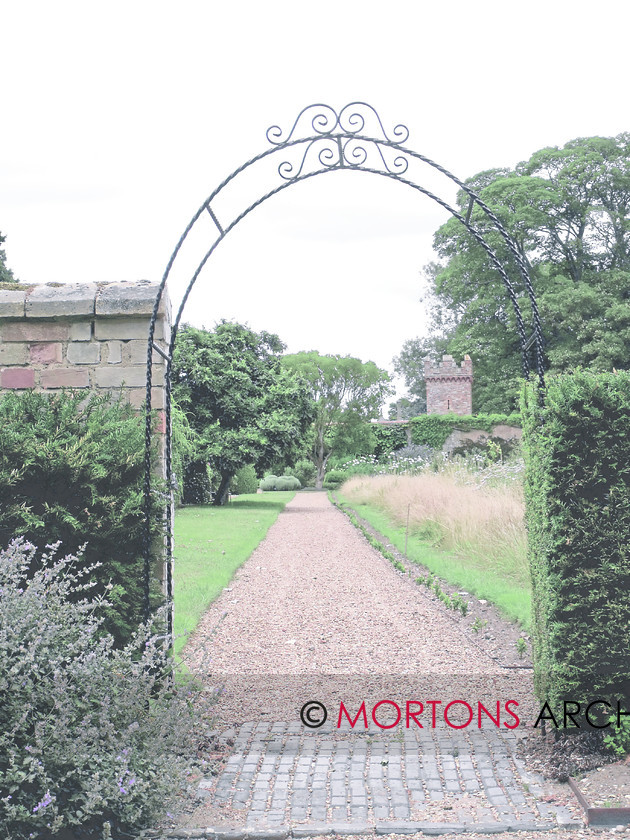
(283, 777)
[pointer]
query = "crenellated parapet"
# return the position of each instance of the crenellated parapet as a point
(449, 386)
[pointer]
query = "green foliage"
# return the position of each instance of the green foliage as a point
(577, 451)
(244, 405)
(617, 738)
(72, 470)
(6, 275)
(453, 602)
(335, 478)
(347, 392)
(387, 439)
(471, 568)
(433, 429)
(185, 445)
(282, 482)
(245, 480)
(197, 483)
(305, 471)
(478, 624)
(568, 210)
(91, 738)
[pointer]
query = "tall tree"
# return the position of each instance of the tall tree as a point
(347, 392)
(568, 210)
(6, 275)
(246, 407)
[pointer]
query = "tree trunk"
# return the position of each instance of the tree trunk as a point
(222, 494)
(321, 459)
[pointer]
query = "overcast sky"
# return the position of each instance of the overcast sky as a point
(120, 118)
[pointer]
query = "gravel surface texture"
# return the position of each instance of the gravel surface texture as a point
(316, 613)
(316, 607)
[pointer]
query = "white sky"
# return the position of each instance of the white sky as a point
(120, 118)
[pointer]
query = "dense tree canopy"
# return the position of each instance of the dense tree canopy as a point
(347, 392)
(568, 210)
(244, 405)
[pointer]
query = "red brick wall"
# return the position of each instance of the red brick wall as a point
(449, 386)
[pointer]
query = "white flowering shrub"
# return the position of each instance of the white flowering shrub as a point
(90, 736)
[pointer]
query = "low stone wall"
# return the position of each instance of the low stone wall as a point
(91, 336)
(459, 438)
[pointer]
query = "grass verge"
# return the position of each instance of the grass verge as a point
(512, 597)
(210, 545)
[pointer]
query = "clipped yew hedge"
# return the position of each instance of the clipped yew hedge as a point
(577, 489)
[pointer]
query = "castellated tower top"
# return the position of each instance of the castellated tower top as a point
(449, 386)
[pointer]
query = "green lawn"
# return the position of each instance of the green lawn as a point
(510, 595)
(210, 544)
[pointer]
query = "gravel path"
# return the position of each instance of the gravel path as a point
(317, 614)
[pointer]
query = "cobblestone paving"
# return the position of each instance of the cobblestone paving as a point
(282, 775)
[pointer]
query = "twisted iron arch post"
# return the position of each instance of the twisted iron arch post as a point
(342, 146)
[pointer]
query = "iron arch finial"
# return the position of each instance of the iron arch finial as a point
(324, 121)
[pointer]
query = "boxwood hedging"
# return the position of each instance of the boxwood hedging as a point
(433, 429)
(577, 449)
(72, 470)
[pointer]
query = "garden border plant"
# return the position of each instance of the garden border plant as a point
(91, 736)
(454, 601)
(72, 470)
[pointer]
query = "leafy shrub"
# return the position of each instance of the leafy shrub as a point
(388, 439)
(577, 490)
(617, 738)
(89, 734)
(305, 472)
(72, 470)
(334, 478)
(197, 483)
(245, 480)
(268, 482)
(282, 482)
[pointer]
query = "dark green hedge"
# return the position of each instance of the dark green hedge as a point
(433, 429)
(72, 469)
(577, 450)
(388, 439)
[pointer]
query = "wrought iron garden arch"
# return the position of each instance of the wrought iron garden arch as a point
(324, 140)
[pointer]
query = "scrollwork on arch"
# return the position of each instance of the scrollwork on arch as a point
(353, 119)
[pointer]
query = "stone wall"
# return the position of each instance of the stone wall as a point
(91, 336)
(457, 438)
(449, 386)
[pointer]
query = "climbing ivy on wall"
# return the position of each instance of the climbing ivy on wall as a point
(433, 429)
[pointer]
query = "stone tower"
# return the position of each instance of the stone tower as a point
(449, 386)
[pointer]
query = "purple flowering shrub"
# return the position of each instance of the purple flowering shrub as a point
(90, 734)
